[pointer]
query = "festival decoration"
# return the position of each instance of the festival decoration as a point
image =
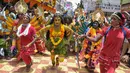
(98, 15)
(37, 23)
(47, 5)
(21, 7)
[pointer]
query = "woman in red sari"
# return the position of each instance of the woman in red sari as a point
(26, 33)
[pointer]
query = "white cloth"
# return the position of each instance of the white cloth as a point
(126, 41)
(128, 50)
(2, 52)
(25, 32)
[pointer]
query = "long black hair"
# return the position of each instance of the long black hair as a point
(67, 20)
(52, 21)
(57, 15)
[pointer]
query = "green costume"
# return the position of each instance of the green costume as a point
(60, 49)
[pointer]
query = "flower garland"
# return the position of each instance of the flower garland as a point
(53, 34)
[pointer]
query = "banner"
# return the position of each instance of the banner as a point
(110, 7)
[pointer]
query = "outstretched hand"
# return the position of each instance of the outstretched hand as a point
(81, 36)
(76, 35)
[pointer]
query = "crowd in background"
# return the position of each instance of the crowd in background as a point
(81, 24)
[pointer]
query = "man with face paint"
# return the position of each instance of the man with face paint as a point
(93, 48)
(26, 33)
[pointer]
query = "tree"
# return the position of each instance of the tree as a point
(81, 4)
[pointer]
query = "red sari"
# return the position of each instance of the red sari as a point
(25, 40)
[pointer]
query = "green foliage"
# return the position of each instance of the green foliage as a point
(124, 1)
(80, 5)
(2, 43)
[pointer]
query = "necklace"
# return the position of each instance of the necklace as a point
(59, 34)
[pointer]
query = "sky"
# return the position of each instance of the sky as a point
(74, 2)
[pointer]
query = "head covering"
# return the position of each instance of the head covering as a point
(120, 17)
(27, 16)
(126, 13)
